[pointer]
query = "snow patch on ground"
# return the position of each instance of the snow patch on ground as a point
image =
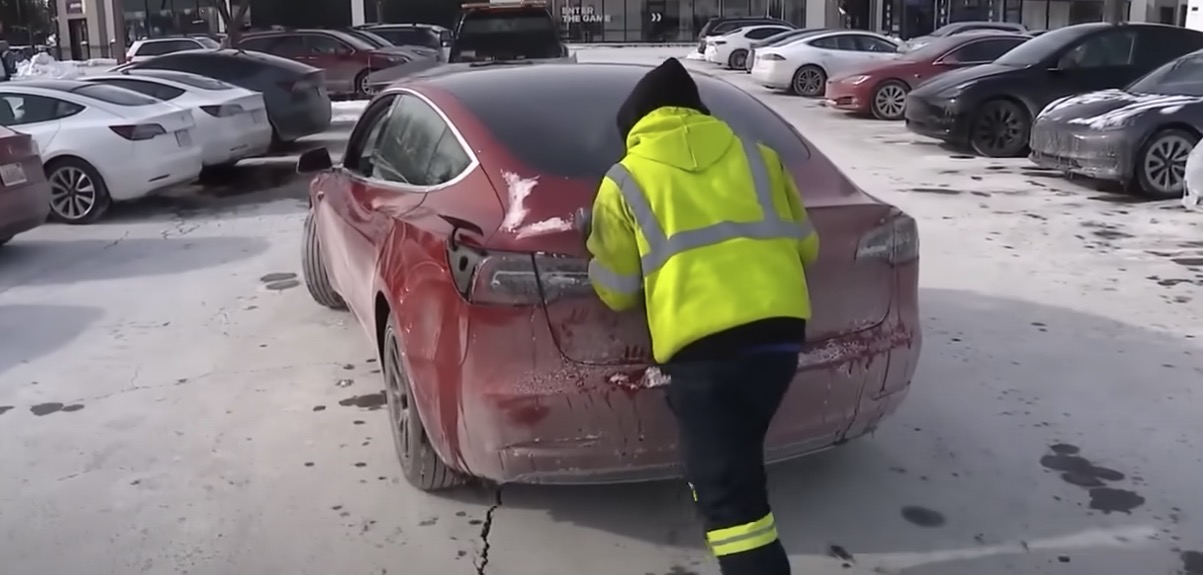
(45, 66)
(519, 189)
(347, 112)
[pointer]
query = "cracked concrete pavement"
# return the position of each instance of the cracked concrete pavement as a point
(169, 406)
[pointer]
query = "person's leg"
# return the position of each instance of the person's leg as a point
(722, 410)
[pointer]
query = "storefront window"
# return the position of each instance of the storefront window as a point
(614, 26)
(157, 18)
(658, 20)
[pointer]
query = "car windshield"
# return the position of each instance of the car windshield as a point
(1039, 49)
(208, 42)
(114, 95)
(567, 128)
(932, 50)
(1182, 77)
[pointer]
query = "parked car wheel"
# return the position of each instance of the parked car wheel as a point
(1000, 130)
(420, 464)
(737, 60)
(362, 88)
(317, 281)
(809, 81)
(1161, 164)
(78, 194)
(889, 100)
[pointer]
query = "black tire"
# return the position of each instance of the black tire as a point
(809, 81)
(362, 89)
(1000, 129)
(78, 194)
(1161, 164)
(889, 100)
(420, 465)
(738, 59)
(317, 281)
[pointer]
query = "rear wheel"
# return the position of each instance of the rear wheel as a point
(78, 194)
(737, 60)
(889, 100)
(1000, 130)
(1161, 164)
(317, 281)
(362, 89)
(420, 464)
(809, 81)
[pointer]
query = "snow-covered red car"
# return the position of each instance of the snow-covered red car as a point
(447, 231)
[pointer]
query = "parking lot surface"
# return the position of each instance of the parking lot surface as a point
(172, 401)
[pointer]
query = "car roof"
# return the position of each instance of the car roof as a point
(259, 57)
(506, 79)
(57, 85)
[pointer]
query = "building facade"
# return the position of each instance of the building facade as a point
(103, 28)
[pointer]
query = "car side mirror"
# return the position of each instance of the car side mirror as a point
(314, 161)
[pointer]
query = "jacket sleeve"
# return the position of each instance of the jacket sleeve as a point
(614, 269)
(808, 247)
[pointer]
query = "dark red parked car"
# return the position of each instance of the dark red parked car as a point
(881, 90)
(346, 58)
(24, 192)
(448, 233)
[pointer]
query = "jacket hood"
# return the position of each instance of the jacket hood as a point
(960, 76)
(683, 138)
(668, 84)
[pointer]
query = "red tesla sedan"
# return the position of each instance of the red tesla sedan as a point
(24, 191)
(881, 90)
(447, 232)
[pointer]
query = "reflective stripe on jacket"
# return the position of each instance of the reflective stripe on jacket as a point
(706, 229)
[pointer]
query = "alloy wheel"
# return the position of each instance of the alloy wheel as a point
(398, 404)
(1164, 164)
(808, 81)
(739, 60)
(364, 86)
(999, 129)
(72, 193)
(890, 101)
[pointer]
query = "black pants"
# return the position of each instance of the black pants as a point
(723, 409)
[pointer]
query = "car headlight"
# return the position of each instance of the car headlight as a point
(953, 92)
(856, 80)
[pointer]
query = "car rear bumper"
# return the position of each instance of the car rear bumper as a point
(576, 424)
(237, 138)
(24, 207)
(297, 121)
(775, 75)
(162, 170)
(848, 97)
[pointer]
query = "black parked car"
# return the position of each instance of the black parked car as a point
(295, 94)
(716, 26)
(990, 108)
(1140, 135)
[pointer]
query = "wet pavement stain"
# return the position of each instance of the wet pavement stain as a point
(961, 157)
(72, 408)
(5, 409)
(942, 191)
(840, 553)
(1080, 468)
(1192, 562)
(371, 401)
(1111, 500)
(281, 286)
(428, 522)
(922, 516)
(277, 277)
(361, 464)
(1188, 261)
(45, 408)
(319, 408)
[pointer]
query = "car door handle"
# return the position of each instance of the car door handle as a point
(321, 195)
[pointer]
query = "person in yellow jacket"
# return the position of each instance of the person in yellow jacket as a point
(707, 231)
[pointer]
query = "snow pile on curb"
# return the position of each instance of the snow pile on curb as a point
(94, 62)
(347, 112)
(44, 65)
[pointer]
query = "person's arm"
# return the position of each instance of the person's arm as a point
(808, 247)
(614, 270)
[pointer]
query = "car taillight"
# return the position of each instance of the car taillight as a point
(772, 57)
(223, 111)
(517, 279)
(138, 131)
(719, 42)
(895, 241)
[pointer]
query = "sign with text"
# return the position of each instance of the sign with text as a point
(578, 14)
(75, 7)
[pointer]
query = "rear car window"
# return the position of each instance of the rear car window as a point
(165, 47)
(486, 22)
(568, 128)
(152, 89)
(208, 42)
(113, 95)
(194, 80)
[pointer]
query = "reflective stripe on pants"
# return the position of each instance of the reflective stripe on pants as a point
(661, 246)
(741, 538)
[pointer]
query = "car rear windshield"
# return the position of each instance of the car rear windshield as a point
(564, 128)
(208, 42)
(1040, 48)
(194, 80)
(115, 96)
(506, 21)
(1182, 77)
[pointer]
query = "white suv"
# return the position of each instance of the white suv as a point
(151, 47)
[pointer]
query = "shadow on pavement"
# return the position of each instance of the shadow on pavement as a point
(40, 262)
(219, 192)
(963, 466)
(31, 331)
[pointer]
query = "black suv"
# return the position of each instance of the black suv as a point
(495, 31)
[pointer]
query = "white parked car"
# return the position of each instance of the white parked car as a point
(802, 67)
(148, 48)
(231, 122)
(731, 49)
(100, 143)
